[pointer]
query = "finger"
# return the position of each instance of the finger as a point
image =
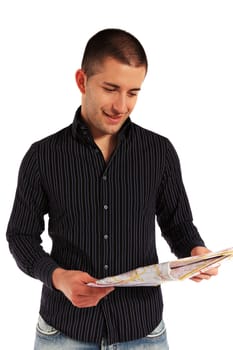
(200, 277)
(89, 300)
(204, 276)
(86, 278)
(106, 291)
(83, 301)
(89, 291)
(103, 292)
(210, 272)
(196, 279)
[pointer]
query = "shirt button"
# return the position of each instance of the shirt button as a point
(104, 177)
(106, 267)
(105, 207)
(105, 236)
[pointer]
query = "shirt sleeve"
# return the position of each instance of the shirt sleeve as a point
(26, 222)
(173, 212)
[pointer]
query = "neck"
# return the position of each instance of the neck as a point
(107, 145)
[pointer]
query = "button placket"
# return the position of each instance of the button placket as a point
(104, 186)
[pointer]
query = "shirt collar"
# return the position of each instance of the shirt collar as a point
(81, 132)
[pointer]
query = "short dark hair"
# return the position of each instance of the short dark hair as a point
(114, 43)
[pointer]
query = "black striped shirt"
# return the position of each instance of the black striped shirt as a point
(102, 221)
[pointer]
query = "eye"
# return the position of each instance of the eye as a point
(132, 94)
(109, 89)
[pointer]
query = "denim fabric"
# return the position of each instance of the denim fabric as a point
(48, 338)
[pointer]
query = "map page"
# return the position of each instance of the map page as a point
(156, 274)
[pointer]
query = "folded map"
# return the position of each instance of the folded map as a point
(153, 275)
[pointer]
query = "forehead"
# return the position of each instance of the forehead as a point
(113, 71)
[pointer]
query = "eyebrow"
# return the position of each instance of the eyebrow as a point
(118, 87)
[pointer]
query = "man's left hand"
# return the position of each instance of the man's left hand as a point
(207, 274)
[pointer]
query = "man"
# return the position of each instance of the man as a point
(102, 181)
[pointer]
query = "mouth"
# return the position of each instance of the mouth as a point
(113, 118)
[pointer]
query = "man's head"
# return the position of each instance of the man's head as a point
(113, 68)
(115, 43)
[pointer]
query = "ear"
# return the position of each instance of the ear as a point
(81, 79)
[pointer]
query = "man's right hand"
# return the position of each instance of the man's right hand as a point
(73, 284)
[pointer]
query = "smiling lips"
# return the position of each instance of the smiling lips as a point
(114, 118)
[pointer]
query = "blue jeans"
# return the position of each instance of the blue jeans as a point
(48, 338)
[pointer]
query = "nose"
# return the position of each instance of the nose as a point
(120, 104)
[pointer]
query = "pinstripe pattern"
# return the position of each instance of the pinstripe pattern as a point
(102, 221)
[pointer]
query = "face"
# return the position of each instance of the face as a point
(109, 96)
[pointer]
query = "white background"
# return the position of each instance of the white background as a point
(187, 96)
